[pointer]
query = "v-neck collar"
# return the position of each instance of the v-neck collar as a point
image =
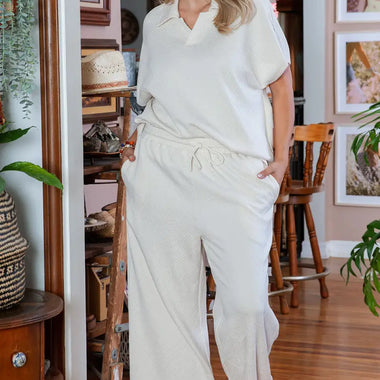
(171, 11)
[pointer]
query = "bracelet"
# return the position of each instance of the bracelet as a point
(128, 144)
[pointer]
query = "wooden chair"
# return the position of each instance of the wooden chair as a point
(301, 192)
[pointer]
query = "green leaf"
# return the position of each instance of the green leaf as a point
(13, 135)
(376, 281)
(35, 172)
(2, 184)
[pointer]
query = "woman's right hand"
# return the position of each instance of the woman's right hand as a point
(128, 154)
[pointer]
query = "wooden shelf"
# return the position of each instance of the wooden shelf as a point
(96, 249)
(106, 167)
(124, 94)
(100, 328)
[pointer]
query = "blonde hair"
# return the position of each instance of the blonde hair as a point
(229, 11)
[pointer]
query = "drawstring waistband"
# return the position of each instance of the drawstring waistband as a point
(212, 154)
(194, 144)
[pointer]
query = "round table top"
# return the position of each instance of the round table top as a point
(36, 306)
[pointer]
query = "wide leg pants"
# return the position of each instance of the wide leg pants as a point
(182, 193)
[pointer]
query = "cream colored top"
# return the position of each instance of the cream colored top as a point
(198, 82)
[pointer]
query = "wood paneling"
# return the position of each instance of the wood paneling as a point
(51, 159)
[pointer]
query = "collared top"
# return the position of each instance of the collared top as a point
(199, 82)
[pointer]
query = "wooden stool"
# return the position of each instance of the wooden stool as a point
(301, 192)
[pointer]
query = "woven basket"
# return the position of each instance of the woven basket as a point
(12, 255)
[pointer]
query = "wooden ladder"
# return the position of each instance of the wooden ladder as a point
(112, 368)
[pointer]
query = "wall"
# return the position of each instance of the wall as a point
(113, 31)
(343, 223)
(139, 9)
(72, 176)
(314, 92)
(27, 193)
(338, 227)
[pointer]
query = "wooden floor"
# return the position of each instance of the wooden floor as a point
(335, 338)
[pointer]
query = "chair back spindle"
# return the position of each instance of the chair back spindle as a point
(322, 133)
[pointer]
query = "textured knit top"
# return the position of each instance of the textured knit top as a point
(199, 82)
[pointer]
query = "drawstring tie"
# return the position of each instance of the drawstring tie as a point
(216, 158)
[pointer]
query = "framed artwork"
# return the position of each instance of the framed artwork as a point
(95, 12)
(357, 71)
(356, 183)
(95, 108)
(358, 10)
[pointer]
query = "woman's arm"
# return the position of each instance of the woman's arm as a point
(283, 119)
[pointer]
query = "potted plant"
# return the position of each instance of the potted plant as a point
(17, 68)
(365, 256)
(12, 245)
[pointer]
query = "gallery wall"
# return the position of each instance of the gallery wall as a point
(343, 223)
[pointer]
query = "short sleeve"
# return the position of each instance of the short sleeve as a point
(142, 95)
(268, 47)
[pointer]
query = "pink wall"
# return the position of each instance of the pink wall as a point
(342, 222)
(112, 31)
(99, 195)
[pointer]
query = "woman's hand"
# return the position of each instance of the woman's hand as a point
(129, 153)
(276, 168)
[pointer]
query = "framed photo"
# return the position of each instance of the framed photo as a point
(95, 12)
(358, 10)
(356, 183)
(95, 108)
(357, 71)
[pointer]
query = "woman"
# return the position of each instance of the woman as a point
(203, 179)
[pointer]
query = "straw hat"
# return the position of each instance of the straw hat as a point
(103, 71)
(12, 254)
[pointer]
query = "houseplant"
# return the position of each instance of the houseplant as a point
(12, 245)
(369, 247)
(17, 69)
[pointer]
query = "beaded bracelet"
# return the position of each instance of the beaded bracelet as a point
(128, 144)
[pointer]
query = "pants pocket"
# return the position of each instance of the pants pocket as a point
(275, 185)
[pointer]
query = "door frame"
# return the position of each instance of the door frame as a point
(59, 39)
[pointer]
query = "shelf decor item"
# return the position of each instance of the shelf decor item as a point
(95, 12)
(99, 107)
(12, 255)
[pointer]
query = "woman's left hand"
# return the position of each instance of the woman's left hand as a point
(276, 168)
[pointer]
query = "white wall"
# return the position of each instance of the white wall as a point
(314, 92)
(27, 192)
(72, 173)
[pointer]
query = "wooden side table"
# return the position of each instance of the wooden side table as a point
(22, 338)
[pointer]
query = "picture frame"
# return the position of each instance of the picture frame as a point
(99, 108)
(358, 14)
(355, 183)
(95, 12)
(357, 86)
